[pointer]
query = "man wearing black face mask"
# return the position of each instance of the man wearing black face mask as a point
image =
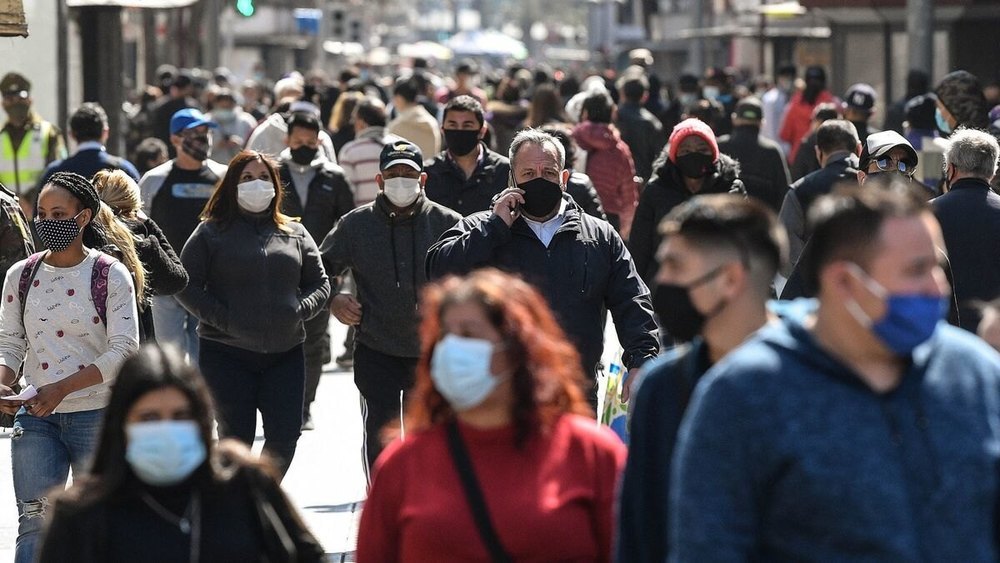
(174, 195)
(579, 263)
(716, 263)
(317, 191)
(467, 175)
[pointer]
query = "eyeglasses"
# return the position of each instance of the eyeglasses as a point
(890, 165)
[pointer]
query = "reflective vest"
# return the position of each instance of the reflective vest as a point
(20, 169)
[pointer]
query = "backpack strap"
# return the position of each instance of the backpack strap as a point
(99, 285)
(27, 276)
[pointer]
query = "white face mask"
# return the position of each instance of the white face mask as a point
(255, 196)
(460, 369)
(402, 191)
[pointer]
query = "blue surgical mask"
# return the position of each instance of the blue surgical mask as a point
(460, 369)
(909, 321)
(942, 123)
(164, 452)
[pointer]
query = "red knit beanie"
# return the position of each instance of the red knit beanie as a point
(692, 126)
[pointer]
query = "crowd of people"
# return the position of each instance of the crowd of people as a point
(780, 273)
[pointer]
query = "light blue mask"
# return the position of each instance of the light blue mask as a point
(909, 321)
(164, 452)
(460, 369)
(942, 123)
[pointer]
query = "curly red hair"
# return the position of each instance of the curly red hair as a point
(547, 380)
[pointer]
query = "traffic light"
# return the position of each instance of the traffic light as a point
(245, 8)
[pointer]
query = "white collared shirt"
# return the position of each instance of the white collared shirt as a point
(89, 146)
(545, 231)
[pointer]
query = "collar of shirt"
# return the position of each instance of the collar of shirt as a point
(89, 146)
(545, 231)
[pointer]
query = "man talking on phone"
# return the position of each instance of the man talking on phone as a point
(577, 261)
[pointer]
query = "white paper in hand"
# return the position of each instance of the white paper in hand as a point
(25, 394)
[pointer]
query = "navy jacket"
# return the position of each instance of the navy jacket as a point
(585, 270)
(448, 186)
(87, 163)
(786, 455)
(658, 407)
(970, 220)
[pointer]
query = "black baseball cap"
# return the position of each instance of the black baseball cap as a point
(401, 151)
(749, 108)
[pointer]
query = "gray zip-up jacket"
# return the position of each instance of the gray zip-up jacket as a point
(385, 250)
(251, 284)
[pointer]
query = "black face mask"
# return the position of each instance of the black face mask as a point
(695, 164)
(461, 141)
(197, 147)
(540, 197)
(304, 155)
(678, 315)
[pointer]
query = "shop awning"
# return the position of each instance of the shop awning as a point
(12, 22)
(131, 3)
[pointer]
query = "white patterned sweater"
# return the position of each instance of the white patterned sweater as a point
(62, 332)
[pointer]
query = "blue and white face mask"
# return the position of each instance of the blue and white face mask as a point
(909, 321)
(164, 452)
(460, 369)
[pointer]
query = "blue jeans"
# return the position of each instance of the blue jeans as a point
(244, 382)
(42, 451)
(174, 325)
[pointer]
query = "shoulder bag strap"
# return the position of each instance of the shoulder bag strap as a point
(480, 512)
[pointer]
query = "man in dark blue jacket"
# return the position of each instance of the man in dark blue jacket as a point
(868, 431)
(579, 263)
(970, 219)
(718, 259)
(89, 127)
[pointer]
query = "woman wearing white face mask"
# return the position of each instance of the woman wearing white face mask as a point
(255, 277)
(159, 490)
(497, 463)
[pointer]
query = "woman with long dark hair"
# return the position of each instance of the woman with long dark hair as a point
(160, 490)
(497, 431)
(68, 322)
(255, 277)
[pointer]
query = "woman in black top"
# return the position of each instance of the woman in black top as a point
(159, 490)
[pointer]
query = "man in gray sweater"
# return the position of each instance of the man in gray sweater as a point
(383, 244)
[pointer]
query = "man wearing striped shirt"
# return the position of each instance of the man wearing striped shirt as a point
(360, 157)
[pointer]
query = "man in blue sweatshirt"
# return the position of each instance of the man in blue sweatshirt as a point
(719, 255)
(869, 431)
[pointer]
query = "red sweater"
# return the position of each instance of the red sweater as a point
(798, 120)
(553, 500)
(610, 167)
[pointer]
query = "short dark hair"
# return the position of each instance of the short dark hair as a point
(406, 87)
(302, 120)
(726, 221)
(634, 87)
(562, 134)
(371, 111)
(847, 223)
(837, 135)
(464, 103)
(149, 149)
(598, 106)
(88, 122)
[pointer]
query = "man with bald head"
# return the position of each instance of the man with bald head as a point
(578, 262)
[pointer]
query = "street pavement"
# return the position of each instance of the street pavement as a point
(325, 480)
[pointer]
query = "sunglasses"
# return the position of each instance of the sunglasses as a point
(890, 165)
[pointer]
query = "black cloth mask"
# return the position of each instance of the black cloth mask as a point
(304, 155)
(677, 313)
(695, 164)
(540, 197)
(461, 141)
(198, 147)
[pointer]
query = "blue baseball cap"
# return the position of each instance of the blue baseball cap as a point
(189, 118)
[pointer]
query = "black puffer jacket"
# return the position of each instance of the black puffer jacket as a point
(664, 192)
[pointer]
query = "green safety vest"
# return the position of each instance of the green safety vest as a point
(20, 169)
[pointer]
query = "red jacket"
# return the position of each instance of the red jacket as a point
(610, 167)
(798, 120)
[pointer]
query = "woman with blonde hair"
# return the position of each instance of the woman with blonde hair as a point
(501, 460)
(160, 267)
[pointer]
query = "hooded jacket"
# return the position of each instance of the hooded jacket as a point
(610, 167)
(787, 455)
(584, 272)
(328, 196)
(385, 248)
(665, 191)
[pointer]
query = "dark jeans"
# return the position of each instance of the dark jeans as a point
(383, 381)
(317, 351)
(244, 382)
